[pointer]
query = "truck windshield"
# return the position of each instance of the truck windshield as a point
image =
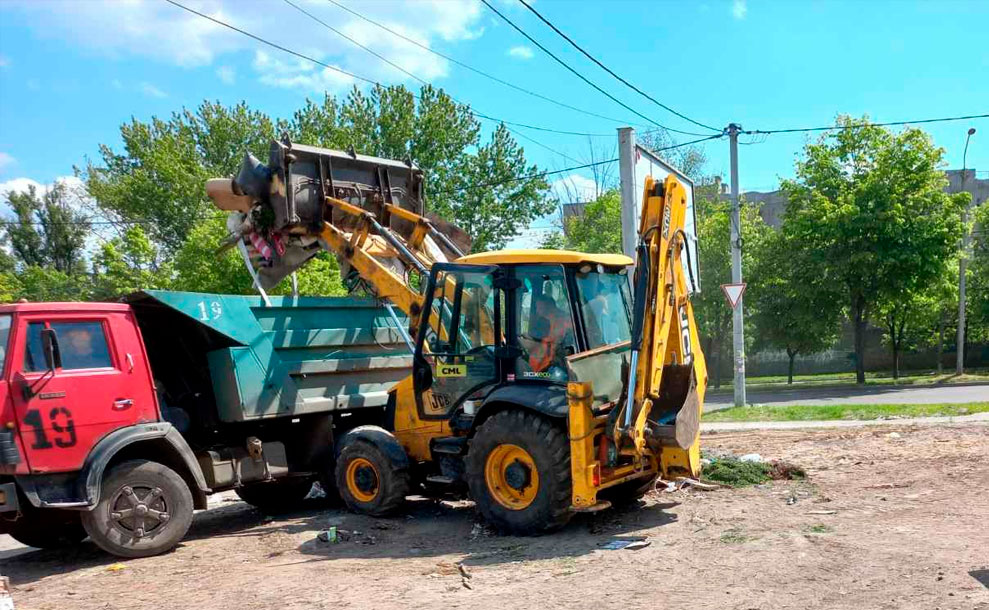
(606, 305)
(4, 336)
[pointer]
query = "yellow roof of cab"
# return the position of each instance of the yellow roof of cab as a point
(545, 256)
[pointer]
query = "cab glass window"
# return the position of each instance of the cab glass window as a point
(606, 305)
(545, 324)
(4, 336)
(82, 345)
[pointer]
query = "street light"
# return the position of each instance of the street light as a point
(962, 264)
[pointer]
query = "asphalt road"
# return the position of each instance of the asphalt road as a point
(868, 395)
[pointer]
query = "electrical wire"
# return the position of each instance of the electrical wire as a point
(611, 72)
(410, 74)
(477, 70)
(841, 127)
(570, 169)
(578, 74)
(284, 49)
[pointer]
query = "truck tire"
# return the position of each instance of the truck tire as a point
(518, 470)
(628, 492)
(368, 481)
(46, 528)
(276, 496)
(145, 509)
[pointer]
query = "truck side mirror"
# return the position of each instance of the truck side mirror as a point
(49, 344)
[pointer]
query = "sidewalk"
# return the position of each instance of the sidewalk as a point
(977, 419)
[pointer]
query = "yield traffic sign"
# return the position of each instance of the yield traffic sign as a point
(733, 292)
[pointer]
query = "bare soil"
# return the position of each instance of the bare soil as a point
(888, 518)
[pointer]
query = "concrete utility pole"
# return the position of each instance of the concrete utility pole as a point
(626, 170)
(962, 264)
(738, 331)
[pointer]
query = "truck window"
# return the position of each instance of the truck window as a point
(82, 345)
(4, 335)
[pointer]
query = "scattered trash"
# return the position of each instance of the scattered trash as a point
(466, 583)
(479, 530)
(328, 536)
(625, 543)
(316, 492)
(752, 458)
(784, 471)
(705, 462)
(791, 500)
(115, 567)
(822, 512)
(685, 482)
(893, 435)
(463, 570)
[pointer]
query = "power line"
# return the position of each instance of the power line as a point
(890, 124)
(578, 74)
(570, 169)
(410, 74)
(611, 72)
(477, 70)
(357, 76)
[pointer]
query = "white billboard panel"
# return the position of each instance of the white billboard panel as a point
(648, 163)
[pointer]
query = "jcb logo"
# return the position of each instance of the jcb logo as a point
(685, 332)
(451, 370)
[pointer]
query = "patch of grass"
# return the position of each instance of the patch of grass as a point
(734, 536)
(840, 411)
(736, 473)
(820, 528)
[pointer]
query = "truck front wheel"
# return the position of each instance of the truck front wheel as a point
(518, 469)
(145, 508)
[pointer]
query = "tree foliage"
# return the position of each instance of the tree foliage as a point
(792, 309)
(868, 207)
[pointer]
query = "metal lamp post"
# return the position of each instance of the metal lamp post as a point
(962, 264)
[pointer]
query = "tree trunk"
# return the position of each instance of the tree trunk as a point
(858, 312)
(940, 342)
(792, 355)
(896, 361)
(717, 365)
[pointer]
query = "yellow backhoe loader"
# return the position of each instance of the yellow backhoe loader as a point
(543, 381)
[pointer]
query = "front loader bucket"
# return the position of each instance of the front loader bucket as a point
(677, 411)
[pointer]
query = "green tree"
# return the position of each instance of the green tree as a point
(49, 284)
(714, 315)
(977, 278)
(791, 308)
(868, 206)
(48, 230)
(598, 228)
(128, 263)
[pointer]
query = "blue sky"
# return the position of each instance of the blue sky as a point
(72, 71)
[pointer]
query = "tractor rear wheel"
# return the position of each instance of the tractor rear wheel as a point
(518, 470)
(368, 481)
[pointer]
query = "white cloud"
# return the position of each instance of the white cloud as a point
(299, 74)
(6, 160)
(151, 91)
(4, 61)
(574, 188)
(739, 9)
(165, 33)
(520, 52)
(226, 74)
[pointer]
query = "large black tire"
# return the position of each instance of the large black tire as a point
(546, 468)
(46, 528)
(145, 509)
(628, 492)
(276, 496)
(368, 481)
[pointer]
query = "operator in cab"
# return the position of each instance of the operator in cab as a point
(551, 329)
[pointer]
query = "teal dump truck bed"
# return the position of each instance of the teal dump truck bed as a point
(298, 355)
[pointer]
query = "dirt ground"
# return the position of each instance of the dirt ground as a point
(889, 518)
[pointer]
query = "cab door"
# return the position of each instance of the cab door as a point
(455, 356)
(97, 382)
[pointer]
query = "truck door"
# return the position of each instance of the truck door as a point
(98, 382)
(455, 351)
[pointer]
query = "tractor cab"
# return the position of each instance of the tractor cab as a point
(539, 317)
